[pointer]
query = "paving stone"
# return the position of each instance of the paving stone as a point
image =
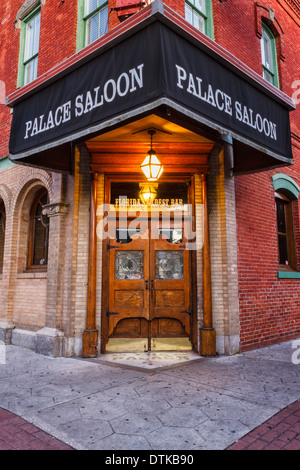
(175, 438)
(213, 403)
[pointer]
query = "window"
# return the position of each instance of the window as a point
(199, 14)
(38, 233)
(92, 21)
(29, 48)
(285, 231)
(269, 56)
(2, 234)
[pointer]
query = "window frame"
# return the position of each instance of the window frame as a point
(23, 38)
(207, 16)
(283, 200)
(31, 235)
(274, 73)
(83, 17)
(2, 211)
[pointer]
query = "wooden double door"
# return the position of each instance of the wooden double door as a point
(149, 298)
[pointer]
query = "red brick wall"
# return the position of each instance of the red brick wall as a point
(269, 307)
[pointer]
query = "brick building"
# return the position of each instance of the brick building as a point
(208, 256)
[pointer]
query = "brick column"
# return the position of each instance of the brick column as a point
(50, 338)
(90, 334)
(207, 332)
(225, 298)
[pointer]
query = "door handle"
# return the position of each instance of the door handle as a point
(146, 282)
(152, 285)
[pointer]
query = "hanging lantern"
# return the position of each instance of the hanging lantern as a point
(151, 166)
(147, 193)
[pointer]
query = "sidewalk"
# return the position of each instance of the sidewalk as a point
(18, 434)
(246, 401)
(281, 432)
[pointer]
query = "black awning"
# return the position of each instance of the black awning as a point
(151, 66)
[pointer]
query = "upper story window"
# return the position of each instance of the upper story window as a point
(38, 240)
(199, 14)
(29, 48)
(286, 195)
(92, 21)
(269, 56)
(285, 231)
(2, 233)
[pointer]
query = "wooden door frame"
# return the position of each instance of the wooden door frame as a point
(110, 178)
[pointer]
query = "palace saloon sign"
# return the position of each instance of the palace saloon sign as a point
(154, 63)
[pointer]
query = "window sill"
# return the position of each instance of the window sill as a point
(32, 275)
(288, 275)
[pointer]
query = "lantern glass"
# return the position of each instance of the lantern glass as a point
(147, 193)
(151, 166)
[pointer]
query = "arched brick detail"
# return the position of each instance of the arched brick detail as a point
(5, 196)
(23, 197)
(35, 177)
(262, 14)
(27, 7)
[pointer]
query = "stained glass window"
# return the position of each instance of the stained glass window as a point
(129, 265)
(169, 265)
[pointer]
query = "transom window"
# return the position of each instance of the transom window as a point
(95, 19)
(29, 50)
(2, 234)
(38, 233)
(269, 59)
(199, 14)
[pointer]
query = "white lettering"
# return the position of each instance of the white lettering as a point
(97, 103)
(58, 116)
(67, 111)
(136, 78)
(111, 83)
(228, 104)
(35, 127)
(245, 116)
(259, 123)
(79, 106)
(202, 97)
(123, 77)
(181, 75)
(210, 96)
(89, 105)
(273, 131)
(50, 122)
(220, 106)
(43, 125)
(191, 88)
(266, 125)
(238, 111)
(28, 128)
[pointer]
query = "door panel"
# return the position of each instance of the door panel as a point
(149, 292)
(170, 297)
(128, 293)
